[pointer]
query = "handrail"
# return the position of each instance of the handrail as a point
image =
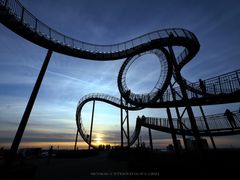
(64, 44)
(158, 89)
(223, 84)
(216, 122)
(21, 21)
(107, 99)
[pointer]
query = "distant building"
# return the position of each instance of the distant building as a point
(108, 147)
(170, 147)
(179, 145)
(30, 152)
(101, 147)
(192, 144)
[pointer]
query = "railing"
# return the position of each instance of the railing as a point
(215, 122)
(224, 84)
(162, 122)
(105, 97)
(219, 121)
(154, 93)
(22, 15)
(101, 97)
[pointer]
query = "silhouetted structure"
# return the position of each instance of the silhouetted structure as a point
(202, 86)
(230, 118)
(221, 89)
(50, 153)
(193, 145)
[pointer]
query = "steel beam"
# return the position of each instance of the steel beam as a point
(128, 137)
(208, 129)
(150, 139)
(121, 116)
(179, 117)
(76, 139)
(182, 85)
(174, 137)
(90, 137)
(30, 104)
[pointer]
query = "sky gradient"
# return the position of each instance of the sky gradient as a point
(52, 122)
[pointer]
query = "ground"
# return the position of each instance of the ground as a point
(126, 164)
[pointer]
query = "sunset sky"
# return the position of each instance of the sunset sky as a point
(52, 122)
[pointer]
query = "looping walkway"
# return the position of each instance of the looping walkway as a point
(221, 89)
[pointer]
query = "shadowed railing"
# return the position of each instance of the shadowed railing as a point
(217, 123)
(220, 85)
(14, 16)
(107, 99)
(224, 84)
(94, 51)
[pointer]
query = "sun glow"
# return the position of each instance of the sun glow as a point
(101, 139)
(98, 140)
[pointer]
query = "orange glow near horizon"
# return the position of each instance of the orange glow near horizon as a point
(46, 145)
(99, 140)
(57, 145)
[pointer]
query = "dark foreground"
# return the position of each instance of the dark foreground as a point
(125, 164)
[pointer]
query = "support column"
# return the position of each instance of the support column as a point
(123, 120)
(128, 137)
(179, 118)
(182, 85)
(6, 2)
(208, 129)
(76, 139)
(150, 139)
(30, 104)
(90, 137)
(140, 140)
(138, 144)
(174, 137)
(121, 111)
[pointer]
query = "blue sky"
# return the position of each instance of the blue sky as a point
(215, 23)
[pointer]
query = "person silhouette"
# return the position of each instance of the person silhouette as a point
(50, 152)
(230, 117)
(202, 86)
(128, 93)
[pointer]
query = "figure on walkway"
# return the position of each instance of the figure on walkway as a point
(202, 87)
(50, 153)
(128, 93)
(143, 118)
(230, 117)
(138, 118)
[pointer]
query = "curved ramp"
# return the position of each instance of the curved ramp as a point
(218, 124)
(21, 21)
(223, 89)
(219, 87)
(107, 99)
